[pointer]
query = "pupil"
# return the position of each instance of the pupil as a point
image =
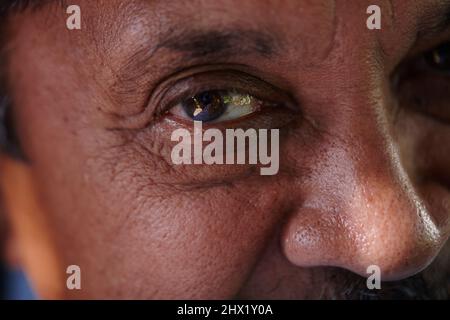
(206, 98)
(206, 106)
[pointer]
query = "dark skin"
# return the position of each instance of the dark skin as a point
(364, 150)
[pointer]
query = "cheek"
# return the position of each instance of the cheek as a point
(135, 236)
(184, 243)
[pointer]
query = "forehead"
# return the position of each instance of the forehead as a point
(303, 32)
(301, 9)
(307, 27)
(298, 20)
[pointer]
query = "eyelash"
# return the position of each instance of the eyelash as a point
(264, 97)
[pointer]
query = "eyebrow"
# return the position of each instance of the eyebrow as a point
(435, 23)
(9, 7)
(202, 44)
(225, 42)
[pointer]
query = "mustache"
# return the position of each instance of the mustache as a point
(432, 283)
(414, 288)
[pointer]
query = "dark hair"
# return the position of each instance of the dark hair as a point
(8, 6)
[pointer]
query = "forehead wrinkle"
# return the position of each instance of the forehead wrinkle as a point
(107, 27)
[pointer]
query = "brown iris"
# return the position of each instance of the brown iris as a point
(206, 106)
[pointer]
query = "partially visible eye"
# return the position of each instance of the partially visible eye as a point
(218, 106)
(424, 84)
(439, 58)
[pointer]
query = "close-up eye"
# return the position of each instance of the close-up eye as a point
(439, 58)
(218, 106)
(425, 84)
(225, 97)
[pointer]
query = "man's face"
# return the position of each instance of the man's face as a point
(364, 123)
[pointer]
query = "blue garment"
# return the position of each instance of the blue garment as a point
(16, 285)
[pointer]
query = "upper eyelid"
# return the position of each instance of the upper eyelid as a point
(193, 45)
(157, 102)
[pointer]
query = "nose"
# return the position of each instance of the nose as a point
(359, 207)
